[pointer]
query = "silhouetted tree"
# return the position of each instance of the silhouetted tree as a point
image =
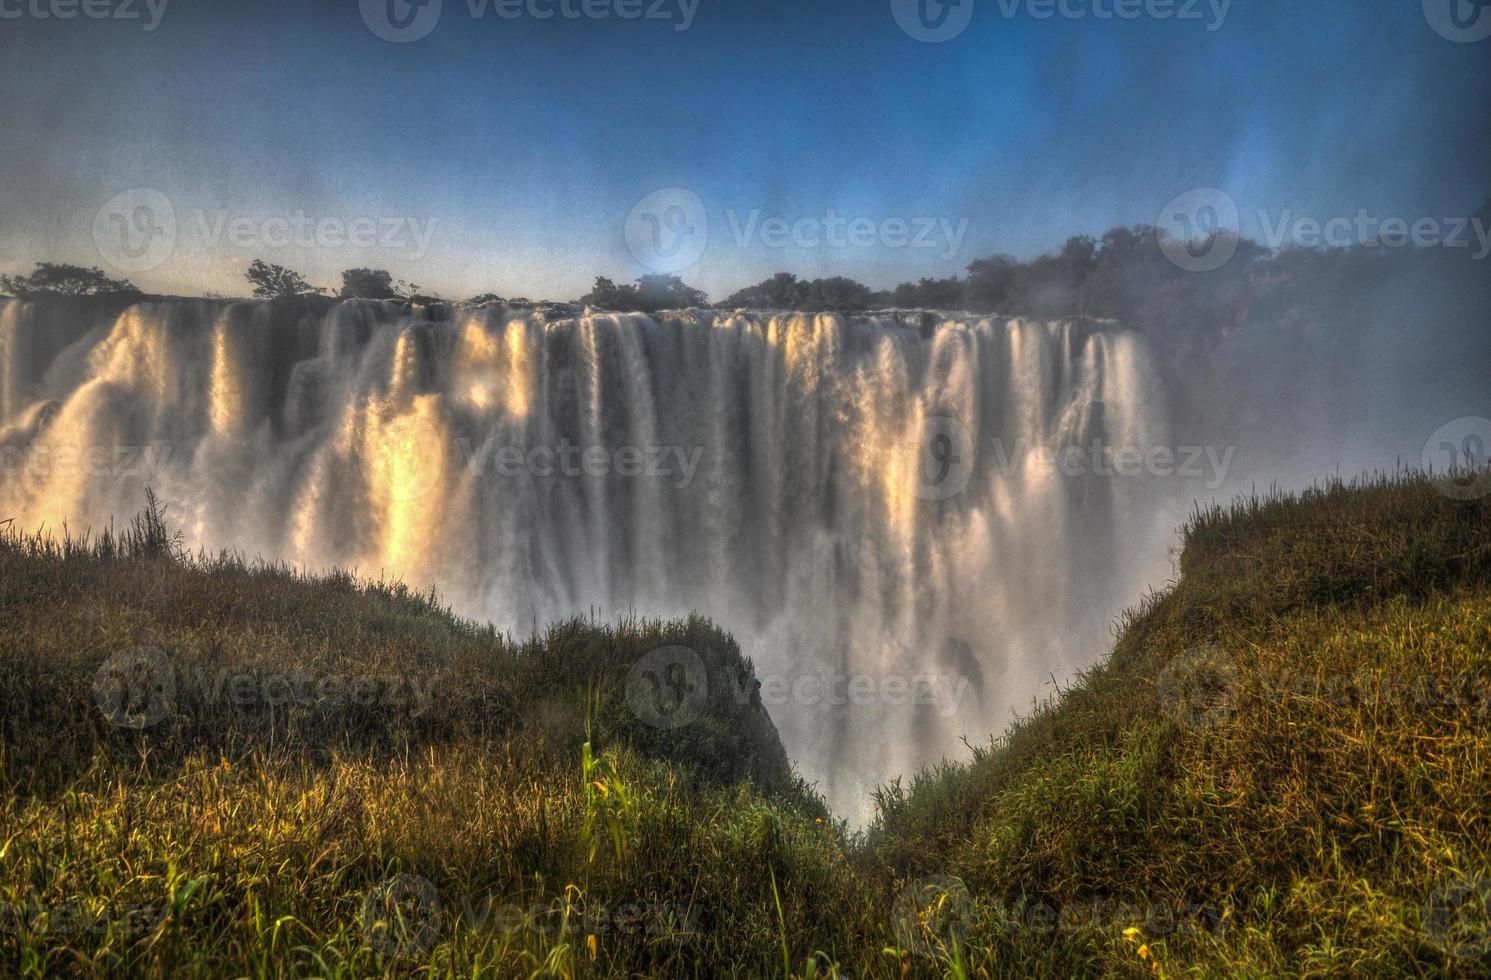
(784, 291)
(58, 279)
(650, 294)
(367, 284)
(987, 289)
(276, 281)
(930, 294)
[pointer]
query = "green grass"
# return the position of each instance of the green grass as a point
(1283, 768)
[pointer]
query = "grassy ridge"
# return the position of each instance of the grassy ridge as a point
(1282, 763)
(1283, 768)
(241, 823)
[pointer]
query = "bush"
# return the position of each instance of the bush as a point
(51, 278)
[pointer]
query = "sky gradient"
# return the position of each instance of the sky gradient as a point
(521, 145)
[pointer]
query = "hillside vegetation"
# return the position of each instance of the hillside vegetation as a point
(217, 769)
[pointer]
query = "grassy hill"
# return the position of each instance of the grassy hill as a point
(1283, 768)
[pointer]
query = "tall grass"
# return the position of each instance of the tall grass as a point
(1282, 768)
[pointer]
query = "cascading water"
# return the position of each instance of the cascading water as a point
(864, 505)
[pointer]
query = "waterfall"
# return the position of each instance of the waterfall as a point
(863, 503)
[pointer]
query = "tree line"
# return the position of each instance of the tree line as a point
(1127, 274)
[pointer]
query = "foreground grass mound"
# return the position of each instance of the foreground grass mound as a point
(1284, 768)
(213, 769)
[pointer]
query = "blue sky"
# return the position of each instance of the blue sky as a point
(522, 145)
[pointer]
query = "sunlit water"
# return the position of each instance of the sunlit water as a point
(865, 505)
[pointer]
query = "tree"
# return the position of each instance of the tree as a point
(668, 293)
(930, 294)
(367, 284)
(784, 291)
(276, 281)
(987, 289)
(56, 279)
(650, 294)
